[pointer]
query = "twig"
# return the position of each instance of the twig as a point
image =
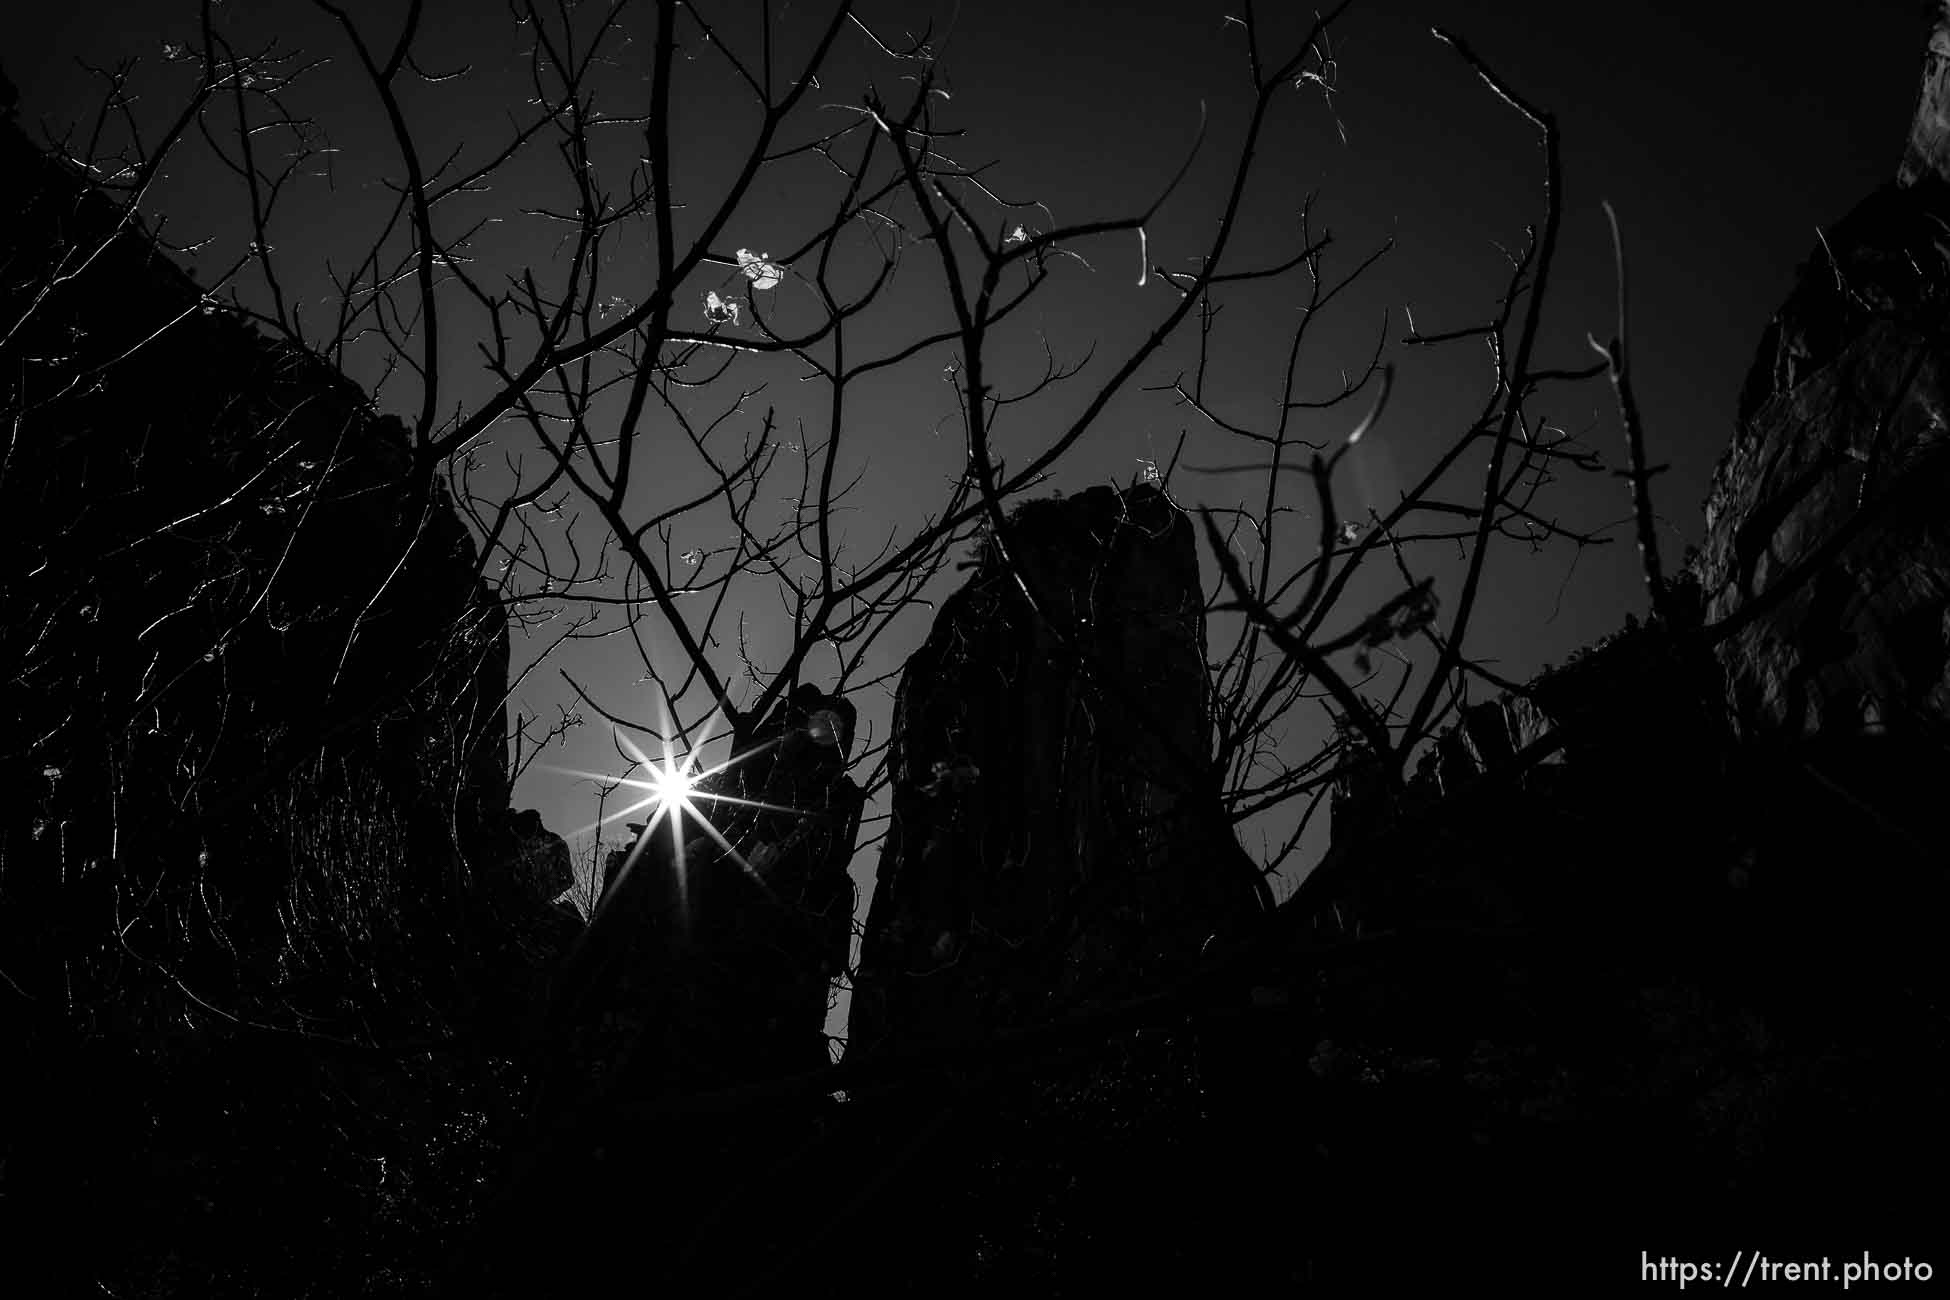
(1617, 364)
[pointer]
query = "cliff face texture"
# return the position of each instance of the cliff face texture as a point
(1833, 489)
(257, 853)
(1049, 845)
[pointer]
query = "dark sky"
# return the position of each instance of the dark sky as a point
(1724, 135)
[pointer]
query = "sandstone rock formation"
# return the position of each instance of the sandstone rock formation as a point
(259, 890)
(1927, 152)
(1048, 845)
(1825, 524)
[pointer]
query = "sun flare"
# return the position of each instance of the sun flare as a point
(671, 785)
(672, 788)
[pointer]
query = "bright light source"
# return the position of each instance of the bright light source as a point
(672, 788)
(671, 784)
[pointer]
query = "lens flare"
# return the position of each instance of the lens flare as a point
(673, 787)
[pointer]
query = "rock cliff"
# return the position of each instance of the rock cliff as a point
(260, 892)
(1826, 531)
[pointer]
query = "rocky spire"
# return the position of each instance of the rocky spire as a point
(1047, 847)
